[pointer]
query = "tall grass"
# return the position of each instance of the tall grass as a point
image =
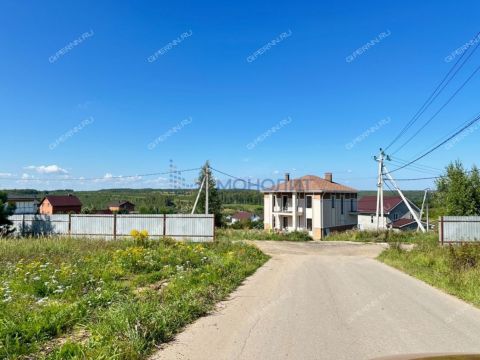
(453, 268)
(254, 234)
(126, 297)
(382, 236)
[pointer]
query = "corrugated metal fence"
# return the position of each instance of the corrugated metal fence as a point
(459, 229)
(178, 226)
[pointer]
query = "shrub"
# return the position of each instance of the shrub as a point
(464, 256)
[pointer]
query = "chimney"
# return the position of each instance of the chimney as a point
(287, 176)
(329, 176)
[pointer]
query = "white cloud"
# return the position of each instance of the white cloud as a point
(6, 174)
(47, 169)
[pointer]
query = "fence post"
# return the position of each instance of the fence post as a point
(115, 226)
(164, 225)
(23, 224)
(213, 227)
(69, 224)
(441, 230)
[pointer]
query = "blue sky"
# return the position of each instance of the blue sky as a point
(202, 97)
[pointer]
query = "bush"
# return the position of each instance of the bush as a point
(464, 256)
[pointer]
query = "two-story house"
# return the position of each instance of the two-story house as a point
(310, 203)
(396, 214)
(60, 204)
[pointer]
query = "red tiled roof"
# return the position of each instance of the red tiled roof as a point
(402, 222)
(62, 200)
(368, 204)
(242, 215)
(310, 183)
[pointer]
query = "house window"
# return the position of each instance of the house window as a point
(285, 222)
(309, 224)
(341, 206)
(309, 202)
(273, 222)
(333, 202)
(371, 219)
(395, 216)
(351, 205)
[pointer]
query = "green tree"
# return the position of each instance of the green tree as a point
(214, 202)
(6, 210)
(458, 191)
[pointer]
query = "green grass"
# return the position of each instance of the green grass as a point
(254, 234)
(77, 298)
(454, 269)
(381, 236)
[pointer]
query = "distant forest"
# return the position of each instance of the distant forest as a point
(159, 201)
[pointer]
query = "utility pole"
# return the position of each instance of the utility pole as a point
(425, 202)
(206, 188)
(414, 214)
(380, 209)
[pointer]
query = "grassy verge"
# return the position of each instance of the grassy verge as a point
(454, 269)
(254, 234)
(70, 298)
(381, 236)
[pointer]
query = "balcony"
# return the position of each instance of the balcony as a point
(287, 209)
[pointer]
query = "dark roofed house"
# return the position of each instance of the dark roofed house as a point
(121, 206)
(396, 213)
(60, 204)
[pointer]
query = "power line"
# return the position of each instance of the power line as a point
(423, 166)
(435, 142)
(470, 123)
(439, 110)
(234, 177)
(433, 95)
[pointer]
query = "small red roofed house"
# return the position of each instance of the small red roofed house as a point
(60, 204)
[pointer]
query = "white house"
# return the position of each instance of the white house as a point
(396, 214)
(24, 204)
(243, 215)
(310, 203)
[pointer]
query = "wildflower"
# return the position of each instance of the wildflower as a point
(36, 278)
(7, 300)
(42, 300)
